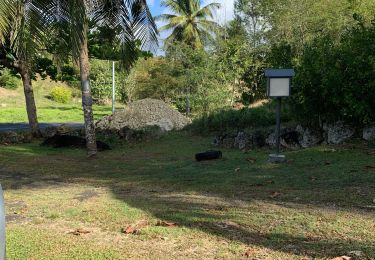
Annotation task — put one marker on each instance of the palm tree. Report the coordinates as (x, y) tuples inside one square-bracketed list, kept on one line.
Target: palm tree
[(20, 40), (131, 16), (189, 22)]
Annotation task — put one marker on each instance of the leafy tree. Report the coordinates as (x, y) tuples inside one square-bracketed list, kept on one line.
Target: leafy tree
[(335, 81), (154, 78), (190, 23), (240, 63), (252, 14)]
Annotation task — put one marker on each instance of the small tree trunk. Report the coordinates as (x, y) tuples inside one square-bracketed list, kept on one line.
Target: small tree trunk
[(188, 101), (86, 97), (30, 102)]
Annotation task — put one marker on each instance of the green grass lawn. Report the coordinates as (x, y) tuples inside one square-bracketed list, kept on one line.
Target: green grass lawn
[(13, 110), (320, 204)]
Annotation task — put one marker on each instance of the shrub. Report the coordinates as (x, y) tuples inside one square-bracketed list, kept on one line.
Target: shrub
[(335, 81), (230, 119), (8, 80), (61, 94)]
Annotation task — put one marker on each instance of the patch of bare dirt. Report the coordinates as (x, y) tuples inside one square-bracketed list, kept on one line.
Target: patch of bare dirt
[(7, 92), (86, 195)]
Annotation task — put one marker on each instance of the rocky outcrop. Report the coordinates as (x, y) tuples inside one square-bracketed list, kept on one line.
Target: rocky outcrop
[(288, 138), (309, 136), (11, 137), (338, 132), (369, 133), (242, 141), (61, 130)]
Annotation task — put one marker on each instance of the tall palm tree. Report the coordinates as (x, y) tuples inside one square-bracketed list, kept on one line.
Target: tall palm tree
[(189, 22), (132, 16)]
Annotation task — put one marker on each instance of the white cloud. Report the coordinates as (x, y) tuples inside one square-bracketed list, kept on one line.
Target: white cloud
[(225, 13)]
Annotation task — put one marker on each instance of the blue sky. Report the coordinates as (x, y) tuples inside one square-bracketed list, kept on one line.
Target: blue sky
[(222, 16)]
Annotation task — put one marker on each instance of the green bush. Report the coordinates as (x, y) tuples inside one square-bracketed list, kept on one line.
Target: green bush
[(335, 80), (61, 94), (8, 80), (246, 118)]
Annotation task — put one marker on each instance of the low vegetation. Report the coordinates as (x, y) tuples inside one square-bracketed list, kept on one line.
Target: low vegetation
[(62, 205), (8, 80), (61, 94)]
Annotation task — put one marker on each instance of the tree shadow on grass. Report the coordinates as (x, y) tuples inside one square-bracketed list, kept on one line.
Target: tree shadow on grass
[(215, 198), (219, 219)]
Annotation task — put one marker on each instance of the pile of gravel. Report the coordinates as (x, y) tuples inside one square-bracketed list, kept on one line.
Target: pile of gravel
[(144, 113)]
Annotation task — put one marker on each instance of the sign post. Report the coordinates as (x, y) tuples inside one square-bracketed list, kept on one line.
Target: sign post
[(279, 83), (113, 88), (2, 226)]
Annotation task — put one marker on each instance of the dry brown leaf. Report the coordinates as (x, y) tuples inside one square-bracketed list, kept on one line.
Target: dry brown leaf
[(251, 160), (250, 252), (79, 231), (343, 258), (166, 224), (129, 230)]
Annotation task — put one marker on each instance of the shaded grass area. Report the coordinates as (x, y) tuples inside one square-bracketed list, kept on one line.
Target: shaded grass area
[(319, 204)]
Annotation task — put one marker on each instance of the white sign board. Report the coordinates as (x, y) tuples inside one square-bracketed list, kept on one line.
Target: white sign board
[(279, 87)]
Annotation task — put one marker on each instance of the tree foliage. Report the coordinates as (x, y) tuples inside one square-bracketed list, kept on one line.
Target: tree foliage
[(189, 22), (337, 81)]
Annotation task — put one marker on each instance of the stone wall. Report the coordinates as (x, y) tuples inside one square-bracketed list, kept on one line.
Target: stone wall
[(295, 137)]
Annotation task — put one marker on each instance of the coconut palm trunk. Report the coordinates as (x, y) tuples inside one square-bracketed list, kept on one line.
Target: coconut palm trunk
[(30, 101), (23, 70), (86, 95)]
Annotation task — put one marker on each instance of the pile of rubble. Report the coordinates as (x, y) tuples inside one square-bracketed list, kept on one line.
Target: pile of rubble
[(142, 114)]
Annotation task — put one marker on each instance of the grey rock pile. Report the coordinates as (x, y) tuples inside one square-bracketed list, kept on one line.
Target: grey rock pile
[(142, 114), (295, 137), (12, 137)]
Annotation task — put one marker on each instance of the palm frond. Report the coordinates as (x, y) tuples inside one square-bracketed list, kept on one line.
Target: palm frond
[(207, 11), (177, 6), (165, 17), (189, 22), (6, 10), (134, 19)]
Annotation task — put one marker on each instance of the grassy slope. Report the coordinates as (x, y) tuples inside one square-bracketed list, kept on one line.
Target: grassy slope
[(12, 106), (320, 204)]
